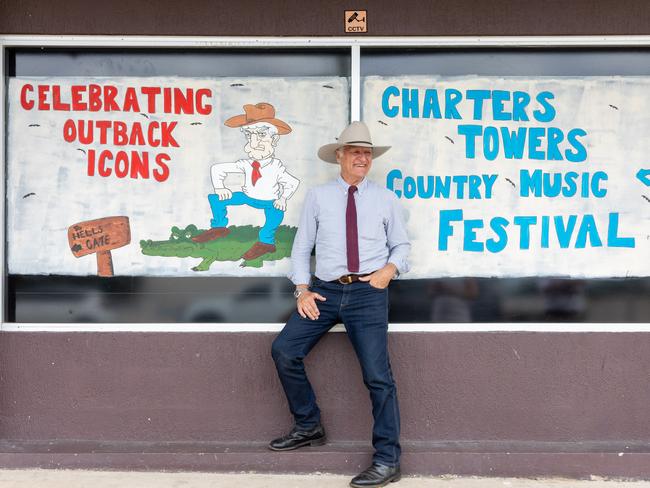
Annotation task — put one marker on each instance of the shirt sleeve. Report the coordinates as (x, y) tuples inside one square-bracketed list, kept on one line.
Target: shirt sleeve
[(219, 170), (288, 182), (304, 241), (397, 238)]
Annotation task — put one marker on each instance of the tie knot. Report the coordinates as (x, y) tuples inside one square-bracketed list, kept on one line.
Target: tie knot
[(352, 189), (255, 164)]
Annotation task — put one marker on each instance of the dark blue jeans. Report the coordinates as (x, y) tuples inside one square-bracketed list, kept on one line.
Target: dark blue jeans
[(364, 312)]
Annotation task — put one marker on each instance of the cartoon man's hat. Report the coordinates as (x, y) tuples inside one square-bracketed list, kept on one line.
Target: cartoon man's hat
[(260, 112), (355, 134)]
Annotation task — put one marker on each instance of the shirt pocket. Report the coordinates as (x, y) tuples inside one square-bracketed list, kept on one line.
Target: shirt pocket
[(371, 229)]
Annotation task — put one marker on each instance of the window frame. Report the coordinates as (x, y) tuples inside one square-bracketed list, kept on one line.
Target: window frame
[(354, 44)]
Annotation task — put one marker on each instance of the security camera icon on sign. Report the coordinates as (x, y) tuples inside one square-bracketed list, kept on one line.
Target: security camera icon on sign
[(356, 21)]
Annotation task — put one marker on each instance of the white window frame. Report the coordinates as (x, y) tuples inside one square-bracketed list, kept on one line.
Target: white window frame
[(355, 45)]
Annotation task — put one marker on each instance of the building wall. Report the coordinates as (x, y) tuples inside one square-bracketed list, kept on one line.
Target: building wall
[(472, 403), (295, 18)]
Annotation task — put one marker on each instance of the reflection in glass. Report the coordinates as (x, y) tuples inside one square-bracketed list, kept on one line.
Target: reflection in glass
[(52, 299)]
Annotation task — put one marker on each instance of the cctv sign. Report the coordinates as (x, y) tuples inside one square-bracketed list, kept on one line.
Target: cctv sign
[(356, 21)]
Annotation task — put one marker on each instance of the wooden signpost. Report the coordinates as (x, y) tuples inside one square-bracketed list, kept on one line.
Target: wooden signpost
[(100, 236)]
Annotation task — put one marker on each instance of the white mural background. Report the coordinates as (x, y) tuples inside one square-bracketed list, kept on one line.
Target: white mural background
[(49, 189)]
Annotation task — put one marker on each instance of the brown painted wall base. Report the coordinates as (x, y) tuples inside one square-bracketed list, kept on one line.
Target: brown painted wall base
[(473, 459), (506, 404)]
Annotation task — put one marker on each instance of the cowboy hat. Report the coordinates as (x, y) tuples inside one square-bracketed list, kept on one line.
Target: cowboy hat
[(260, 112), (355, 134)]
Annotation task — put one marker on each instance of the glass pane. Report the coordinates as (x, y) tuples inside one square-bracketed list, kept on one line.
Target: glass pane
[(179, 294), (524, 299)]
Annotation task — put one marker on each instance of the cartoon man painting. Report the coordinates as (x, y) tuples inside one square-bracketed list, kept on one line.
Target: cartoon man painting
[(267, 185)]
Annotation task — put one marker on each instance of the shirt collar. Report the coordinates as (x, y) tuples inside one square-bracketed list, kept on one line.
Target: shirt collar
[(263, 162), (360, 187)]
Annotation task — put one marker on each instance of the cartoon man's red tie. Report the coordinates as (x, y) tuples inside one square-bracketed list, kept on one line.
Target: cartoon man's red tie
[(351, 237), (257, 174)]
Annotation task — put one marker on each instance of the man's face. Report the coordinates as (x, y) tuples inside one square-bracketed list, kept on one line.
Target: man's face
[(261, 142), (355, 162)]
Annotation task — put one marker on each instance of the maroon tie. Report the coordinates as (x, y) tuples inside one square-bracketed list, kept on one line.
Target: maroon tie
[(257, 174), (351, 237)]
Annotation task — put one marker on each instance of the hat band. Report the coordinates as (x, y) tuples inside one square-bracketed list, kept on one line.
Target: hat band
[(356, 142)]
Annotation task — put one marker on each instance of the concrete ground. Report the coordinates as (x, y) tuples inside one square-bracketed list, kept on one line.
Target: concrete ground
[(36, 478)]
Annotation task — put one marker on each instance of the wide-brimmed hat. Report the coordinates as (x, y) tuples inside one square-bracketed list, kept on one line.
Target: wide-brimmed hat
[(260, 112), (355, 134)]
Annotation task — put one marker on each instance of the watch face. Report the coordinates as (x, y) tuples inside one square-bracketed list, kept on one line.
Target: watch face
[(297, 293)]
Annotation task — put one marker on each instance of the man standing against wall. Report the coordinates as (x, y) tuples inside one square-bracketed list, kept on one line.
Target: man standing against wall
[(361, 244)]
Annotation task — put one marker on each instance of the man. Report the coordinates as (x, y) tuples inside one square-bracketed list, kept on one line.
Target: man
[(267, 185), (361, 243)]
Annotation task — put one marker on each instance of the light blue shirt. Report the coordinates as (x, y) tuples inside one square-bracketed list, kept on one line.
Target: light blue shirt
[(380, 224)]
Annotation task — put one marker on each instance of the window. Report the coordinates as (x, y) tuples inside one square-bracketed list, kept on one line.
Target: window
[(467, 292), (161, 275), (60, 173)]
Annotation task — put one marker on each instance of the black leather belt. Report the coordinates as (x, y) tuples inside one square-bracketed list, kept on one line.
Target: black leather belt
[(348, 278)]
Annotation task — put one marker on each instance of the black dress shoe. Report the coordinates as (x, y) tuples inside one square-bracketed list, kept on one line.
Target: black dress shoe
[(376, 475), (299, 438)]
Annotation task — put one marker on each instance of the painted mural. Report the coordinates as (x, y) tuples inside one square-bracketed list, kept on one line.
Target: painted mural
[(516, 176), (183, 176), (163, 176)]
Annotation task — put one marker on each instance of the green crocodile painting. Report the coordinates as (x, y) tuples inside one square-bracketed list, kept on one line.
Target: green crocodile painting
[(229, 248)]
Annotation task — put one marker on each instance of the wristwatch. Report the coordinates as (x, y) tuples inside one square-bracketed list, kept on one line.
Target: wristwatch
[(299, 291)]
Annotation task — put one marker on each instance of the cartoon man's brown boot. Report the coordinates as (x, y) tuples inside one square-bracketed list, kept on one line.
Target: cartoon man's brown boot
[(211, 234), (258, 249)]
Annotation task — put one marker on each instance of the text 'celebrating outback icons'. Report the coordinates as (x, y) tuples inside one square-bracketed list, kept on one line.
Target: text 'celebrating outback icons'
[(356, 21)]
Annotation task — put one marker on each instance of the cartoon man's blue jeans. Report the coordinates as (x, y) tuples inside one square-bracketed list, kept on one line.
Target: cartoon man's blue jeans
[(273, 215), (364, 312)]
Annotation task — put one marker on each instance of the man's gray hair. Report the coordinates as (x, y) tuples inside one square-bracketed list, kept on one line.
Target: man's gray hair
[(339, 150)]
